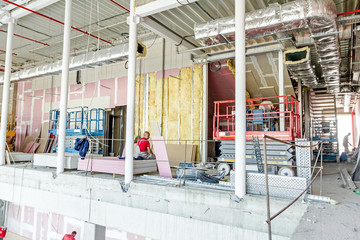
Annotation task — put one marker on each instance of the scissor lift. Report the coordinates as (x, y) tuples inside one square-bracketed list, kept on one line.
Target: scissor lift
[(80, 122), (263, 117)]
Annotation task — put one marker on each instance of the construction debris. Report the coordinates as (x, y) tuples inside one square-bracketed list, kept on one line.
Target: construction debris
[(346, 178)]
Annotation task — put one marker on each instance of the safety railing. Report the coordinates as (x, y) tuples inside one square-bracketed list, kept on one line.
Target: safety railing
[(277, 116), (320, 171)]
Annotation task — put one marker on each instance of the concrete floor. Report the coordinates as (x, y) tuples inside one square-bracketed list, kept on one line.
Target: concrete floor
[(13, 236), (332, 222)]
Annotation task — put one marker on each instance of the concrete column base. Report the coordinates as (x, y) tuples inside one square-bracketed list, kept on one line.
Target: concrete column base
[(94, 232)]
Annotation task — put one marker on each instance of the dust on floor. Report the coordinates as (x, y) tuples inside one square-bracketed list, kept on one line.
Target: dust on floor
[(332, 222)]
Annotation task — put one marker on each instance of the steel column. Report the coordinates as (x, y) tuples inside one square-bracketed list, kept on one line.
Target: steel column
[(240, 100), (64, 88), (6, 89), (205, 129), (281, 89), (300, 108), (130, 111)]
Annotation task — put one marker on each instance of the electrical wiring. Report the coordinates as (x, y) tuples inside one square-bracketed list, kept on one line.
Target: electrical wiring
[(153, 42), (182, 39), (216, 68)]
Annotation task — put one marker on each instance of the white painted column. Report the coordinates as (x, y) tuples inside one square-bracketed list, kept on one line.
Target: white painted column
[(6, 89), (93, 231), (281, 89), (300, 107), (240, 100), (64, 88), (205, 113), (129, 144)]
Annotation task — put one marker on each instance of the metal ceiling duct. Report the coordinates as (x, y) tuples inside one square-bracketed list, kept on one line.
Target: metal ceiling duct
[(319, 16), (78, 62), (298, 62)]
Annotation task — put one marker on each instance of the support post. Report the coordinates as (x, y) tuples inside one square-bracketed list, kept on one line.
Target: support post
[(64, 88), (300, 107), (240, 100), (205, 113), (307, 114), (93, 231), (281, 89), (130, 112), (6, 89)]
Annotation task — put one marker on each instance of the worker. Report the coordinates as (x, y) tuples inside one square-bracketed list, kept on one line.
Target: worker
[(70, 236), (346, 143), (143, 150)]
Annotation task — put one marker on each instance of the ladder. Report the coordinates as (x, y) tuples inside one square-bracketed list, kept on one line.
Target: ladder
[(257, 151)]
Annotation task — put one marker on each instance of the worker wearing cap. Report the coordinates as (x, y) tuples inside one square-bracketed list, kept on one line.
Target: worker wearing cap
[(143, 150), (70, 236), (346, 142)]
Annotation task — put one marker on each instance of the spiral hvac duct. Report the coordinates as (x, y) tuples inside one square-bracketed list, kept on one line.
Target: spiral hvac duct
[(78, 62), (319, 16)]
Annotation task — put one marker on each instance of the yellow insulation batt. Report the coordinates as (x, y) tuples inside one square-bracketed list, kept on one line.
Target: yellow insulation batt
[(152, 97), (185, 105), (181, 106)]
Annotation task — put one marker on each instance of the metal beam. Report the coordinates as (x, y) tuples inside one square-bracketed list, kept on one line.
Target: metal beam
[(162, 31), (33, 5), (160, 6)]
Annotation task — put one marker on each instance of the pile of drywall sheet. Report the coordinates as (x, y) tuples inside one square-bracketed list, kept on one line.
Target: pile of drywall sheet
[(42, 143), (114, 165), (181, 153), (50, 159)]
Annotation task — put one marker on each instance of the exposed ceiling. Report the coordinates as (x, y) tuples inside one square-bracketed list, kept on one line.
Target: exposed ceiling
[(107, 20)]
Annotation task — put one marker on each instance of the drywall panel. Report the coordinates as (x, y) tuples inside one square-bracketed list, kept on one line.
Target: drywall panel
[(107, 89), (121, 94)]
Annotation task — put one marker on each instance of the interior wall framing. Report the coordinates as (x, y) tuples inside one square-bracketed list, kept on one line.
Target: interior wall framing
[(174, 93)]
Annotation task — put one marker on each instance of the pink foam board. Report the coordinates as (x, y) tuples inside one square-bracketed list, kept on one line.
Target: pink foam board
[(15, 211), (19, 133), (38, 93), (26, 111), (48, 93), (75, 91), (121, 91), (46, 116), (37, 116), (29, 215), (57, 220), (41, 226), (20, 88), (105, 164), (89, 90), (113, 165), (107, 88), (57, 94), (162, 159), (27, 85), (31, 147)]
